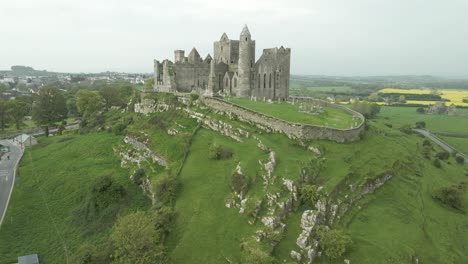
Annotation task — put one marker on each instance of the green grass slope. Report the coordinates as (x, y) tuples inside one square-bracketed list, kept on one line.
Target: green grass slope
[(331, 117), (54, 177)]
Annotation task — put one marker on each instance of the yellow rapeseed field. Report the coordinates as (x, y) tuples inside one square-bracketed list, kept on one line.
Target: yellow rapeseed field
[(455, 96)]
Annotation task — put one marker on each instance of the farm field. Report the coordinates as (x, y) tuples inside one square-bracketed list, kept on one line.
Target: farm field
[(459, 143), (399, 116), (455, 96), (331, 117)]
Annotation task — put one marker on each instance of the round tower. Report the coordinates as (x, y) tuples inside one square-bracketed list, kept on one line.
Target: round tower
[(246, 60)]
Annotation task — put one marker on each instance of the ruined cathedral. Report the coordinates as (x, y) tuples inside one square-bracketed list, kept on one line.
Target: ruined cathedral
[(232, 71)]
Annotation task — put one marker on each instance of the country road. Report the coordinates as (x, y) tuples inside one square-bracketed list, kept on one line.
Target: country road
[(439, 142), (7, 174)]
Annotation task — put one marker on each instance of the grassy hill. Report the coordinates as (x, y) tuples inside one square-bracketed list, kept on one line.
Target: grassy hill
[(398, 223), (54, 178)]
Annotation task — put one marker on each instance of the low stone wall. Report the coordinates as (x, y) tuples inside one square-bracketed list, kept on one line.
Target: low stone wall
[(293, 130)]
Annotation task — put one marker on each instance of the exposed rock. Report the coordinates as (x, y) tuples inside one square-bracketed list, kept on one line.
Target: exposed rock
[(314, 150), (172, 132), (347, 261), (308, 220), (295, 255), (310, 255), (270, 222), (146, 153)]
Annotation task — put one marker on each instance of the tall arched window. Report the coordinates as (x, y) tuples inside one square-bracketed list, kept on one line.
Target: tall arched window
[(235, 82), (269, 82), (226, 82), (259, 80), (264, 80)]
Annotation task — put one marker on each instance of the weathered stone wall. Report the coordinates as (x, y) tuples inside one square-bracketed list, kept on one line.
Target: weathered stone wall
[(293, 130)]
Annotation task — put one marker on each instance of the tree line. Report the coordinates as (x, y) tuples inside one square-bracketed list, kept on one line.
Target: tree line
[(50, 105)]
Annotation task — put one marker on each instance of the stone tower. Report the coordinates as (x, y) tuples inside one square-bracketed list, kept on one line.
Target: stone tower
[(246, 61), (211, 80)]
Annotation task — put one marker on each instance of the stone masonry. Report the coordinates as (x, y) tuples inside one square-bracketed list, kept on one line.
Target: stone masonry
[(233, 71)]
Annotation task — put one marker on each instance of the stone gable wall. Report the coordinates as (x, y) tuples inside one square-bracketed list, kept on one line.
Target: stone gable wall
[(292, 130)]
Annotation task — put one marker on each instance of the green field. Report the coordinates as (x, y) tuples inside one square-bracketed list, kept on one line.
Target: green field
[(459, 143), (331, 117), (52, 180), (440, 123)]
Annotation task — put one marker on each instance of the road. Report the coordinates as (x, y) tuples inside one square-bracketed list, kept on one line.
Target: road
[(439, 142), (7, 174)]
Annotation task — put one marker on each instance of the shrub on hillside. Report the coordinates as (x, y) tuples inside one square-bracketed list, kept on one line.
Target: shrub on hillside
[(101, 204), (138, 176), (253, 252), (333, 242), (119, 129), (420, 110), (136, 240), (239, 183), (406, 129), (165, 189), (437, 163), (443, 155), (218, 152), (451, 196), (460, 159), (162, 218), (309, 195)]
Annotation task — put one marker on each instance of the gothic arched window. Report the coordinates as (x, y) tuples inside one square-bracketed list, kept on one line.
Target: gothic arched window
[(269, 83), (235, 82), (264, 80), (259, 80)]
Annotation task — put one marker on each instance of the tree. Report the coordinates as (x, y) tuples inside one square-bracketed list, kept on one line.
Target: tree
[(369, 110), (88, 102), (111, 96), (402, 99), (18, 110), (136, 240), (421, 124), (49, 107), (149, 83), (4, 111), (420, 110)]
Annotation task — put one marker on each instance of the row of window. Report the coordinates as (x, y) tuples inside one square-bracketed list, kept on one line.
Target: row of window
[(265, 81)]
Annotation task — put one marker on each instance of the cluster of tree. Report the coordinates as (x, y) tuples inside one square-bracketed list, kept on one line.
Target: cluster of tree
[(369, 110), (452, 195), (14, 111)]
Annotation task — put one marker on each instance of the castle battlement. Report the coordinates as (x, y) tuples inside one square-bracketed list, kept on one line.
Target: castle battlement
[(233, 70)]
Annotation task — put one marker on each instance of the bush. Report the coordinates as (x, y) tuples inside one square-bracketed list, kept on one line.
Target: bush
[(309, 195), (136, 240), (333, 242), (420, 110), (101, 204), (427, 142), (218, 152), (460, 159), (165, 189), (420, 124), (388, 125), (239, 183), (138, 176), (437, 163), (162, 219), (254, 253), (451, 196), (406, 129), (443, 155), (119, 129)]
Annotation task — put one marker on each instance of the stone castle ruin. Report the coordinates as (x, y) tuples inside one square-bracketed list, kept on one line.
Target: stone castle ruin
[(232, 71)]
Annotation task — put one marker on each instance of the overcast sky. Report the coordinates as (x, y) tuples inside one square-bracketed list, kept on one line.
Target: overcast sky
[(329, 37)]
